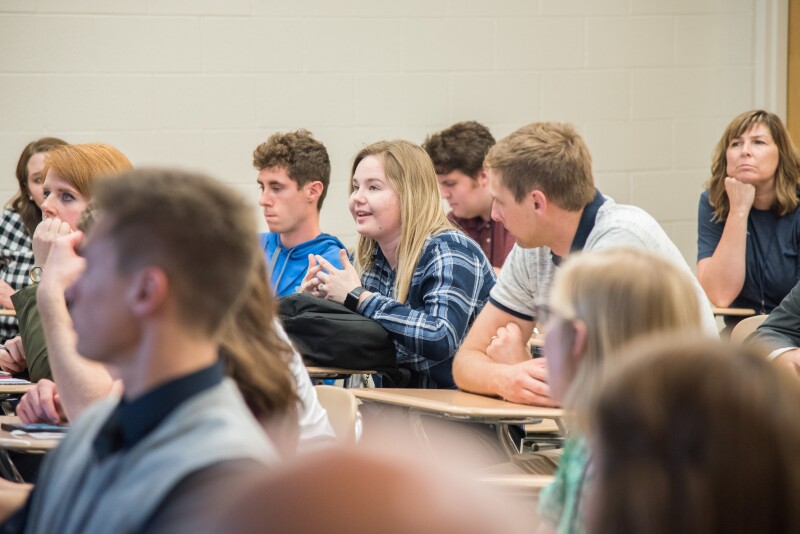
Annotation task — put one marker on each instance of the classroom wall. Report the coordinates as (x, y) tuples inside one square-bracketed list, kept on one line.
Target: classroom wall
[(199, 83)]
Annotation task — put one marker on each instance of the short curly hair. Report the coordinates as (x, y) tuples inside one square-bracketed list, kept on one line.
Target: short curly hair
[(305, 159), (460, 147)]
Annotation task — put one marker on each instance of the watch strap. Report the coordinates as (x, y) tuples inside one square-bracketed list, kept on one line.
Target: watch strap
[(351, 300)]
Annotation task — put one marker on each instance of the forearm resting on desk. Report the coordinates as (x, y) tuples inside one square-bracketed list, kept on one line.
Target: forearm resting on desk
[(522, 383)]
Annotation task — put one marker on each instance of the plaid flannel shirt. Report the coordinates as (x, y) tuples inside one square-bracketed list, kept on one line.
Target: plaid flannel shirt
[(17, 260), (450, 286)]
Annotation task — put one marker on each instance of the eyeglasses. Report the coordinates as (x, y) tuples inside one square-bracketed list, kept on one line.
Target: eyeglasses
[(543, 313)]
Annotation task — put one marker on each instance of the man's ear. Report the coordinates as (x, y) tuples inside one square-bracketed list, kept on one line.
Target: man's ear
[(148, 291), (482, 178), (539, 200), (313, 191)]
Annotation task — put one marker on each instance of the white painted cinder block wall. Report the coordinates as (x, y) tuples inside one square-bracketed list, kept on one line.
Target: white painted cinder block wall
[(199, 83)]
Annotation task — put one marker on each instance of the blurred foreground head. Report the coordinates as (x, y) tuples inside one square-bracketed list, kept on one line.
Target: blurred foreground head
[(696, 436), (357, 491)]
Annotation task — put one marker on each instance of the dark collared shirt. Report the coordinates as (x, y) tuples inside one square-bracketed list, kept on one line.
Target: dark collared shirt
[(585, 225), (131, 421), (493, 238)]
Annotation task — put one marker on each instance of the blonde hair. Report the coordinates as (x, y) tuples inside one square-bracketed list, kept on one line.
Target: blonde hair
[(81, 165), (787, 175), (620, 294), (549, 156), (410, 173)]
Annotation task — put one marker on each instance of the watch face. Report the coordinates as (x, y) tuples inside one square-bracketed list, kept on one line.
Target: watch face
[(36, 274)]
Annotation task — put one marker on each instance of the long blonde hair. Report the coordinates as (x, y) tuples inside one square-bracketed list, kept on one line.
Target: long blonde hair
[(410, 173), (620, 294)]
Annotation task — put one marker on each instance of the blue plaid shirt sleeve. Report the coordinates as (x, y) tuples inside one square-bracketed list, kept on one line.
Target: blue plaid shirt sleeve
[(17, 260), (449, 287)]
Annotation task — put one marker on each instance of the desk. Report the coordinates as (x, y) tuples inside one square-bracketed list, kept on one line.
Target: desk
[(9, 393), (14, 389), (737, 312), (518, 482), (24, 444), (465, 407), (333, 373), (460, 405), (4, 311)]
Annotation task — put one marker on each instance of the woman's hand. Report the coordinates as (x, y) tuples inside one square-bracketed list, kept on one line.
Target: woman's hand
[(334, 284), (12, 357), (45, 235), (740, 195)]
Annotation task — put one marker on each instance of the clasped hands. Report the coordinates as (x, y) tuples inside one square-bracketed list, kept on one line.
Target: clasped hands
[(522, 379), (324, 280)]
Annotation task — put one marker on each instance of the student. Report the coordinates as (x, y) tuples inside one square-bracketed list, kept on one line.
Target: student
[(749, 216), (695, 437), (779, 335), (457, 155), (257, 355), (424, 281), (293, 174), (601, 301), (17, 224), (134, 304), (541, 179), (70, 171)]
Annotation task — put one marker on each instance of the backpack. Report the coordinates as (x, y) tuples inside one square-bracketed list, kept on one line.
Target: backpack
[(327, 334)]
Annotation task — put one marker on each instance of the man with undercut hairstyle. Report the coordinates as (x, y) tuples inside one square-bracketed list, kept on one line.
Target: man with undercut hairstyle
[(147, 290), (293, 174), (457, 153)]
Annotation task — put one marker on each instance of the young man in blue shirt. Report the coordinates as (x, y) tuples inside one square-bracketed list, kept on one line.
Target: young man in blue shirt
[(293, 173)]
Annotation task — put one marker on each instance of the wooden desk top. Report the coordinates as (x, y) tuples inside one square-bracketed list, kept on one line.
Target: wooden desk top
[(738, 312), (4, 311), (330, 372), (460, 405), (13, 389), (518, 481), (23, 443)]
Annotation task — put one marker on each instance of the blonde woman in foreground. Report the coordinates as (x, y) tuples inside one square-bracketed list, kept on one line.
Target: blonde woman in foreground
[(601, 301)]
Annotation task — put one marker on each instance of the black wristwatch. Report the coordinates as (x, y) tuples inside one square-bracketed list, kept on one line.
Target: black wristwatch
[(351, 300)]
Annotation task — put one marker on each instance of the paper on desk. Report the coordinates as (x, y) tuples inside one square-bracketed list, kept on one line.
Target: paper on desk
[(13, 381), (38, 435)]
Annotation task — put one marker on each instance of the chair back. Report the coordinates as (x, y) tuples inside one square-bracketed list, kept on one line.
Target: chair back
[(745, 327), (343, 414)]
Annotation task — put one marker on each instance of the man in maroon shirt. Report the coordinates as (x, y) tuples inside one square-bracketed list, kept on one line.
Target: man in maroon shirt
[(457, 155)]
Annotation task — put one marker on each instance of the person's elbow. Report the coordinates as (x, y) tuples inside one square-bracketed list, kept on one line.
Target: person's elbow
[(462, 365), (720, 297)]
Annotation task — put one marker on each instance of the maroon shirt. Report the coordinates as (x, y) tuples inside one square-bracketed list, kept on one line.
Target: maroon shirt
[(492, 236)]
